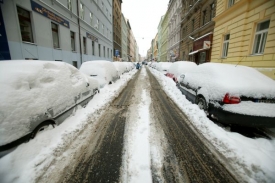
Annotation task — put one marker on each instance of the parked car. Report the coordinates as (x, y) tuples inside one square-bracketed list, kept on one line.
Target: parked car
[(102, 70), (178, 68), (37, 94), (233, 94), (163, 66), (121, 67)]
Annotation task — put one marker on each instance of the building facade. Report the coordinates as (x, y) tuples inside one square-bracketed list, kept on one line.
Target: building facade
[(117, 28), (197, 28), (155, 50), (164, 39), (244, 34), (64, 30), (124, 39), (174, 19), (159, 38)]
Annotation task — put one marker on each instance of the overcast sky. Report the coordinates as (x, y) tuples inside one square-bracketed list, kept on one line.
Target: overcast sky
[(144, 16)]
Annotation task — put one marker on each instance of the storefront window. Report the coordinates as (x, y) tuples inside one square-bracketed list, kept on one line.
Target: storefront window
[(25, 25)]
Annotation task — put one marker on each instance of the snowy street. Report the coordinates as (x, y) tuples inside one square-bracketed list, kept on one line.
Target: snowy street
[(140, 129)]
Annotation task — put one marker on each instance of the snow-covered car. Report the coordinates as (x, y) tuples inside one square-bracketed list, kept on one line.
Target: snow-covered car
[(102, 70), (178, 68), (121, 67), (233, 94), (163, 67), (37, 94)]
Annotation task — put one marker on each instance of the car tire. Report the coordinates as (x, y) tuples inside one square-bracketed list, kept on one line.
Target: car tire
[(41, 128), (201, 102)]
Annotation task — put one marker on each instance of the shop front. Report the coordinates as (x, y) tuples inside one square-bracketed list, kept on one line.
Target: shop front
[(201, 52)]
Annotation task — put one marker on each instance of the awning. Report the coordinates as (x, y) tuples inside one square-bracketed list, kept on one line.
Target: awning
[(192, 53)]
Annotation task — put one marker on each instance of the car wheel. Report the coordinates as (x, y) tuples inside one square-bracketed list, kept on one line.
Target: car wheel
[(202, 103), (42, 127)]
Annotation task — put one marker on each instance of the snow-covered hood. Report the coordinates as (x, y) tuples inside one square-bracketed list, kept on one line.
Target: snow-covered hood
[(217, 79)]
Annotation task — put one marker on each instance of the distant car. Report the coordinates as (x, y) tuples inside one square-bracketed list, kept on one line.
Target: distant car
[(163, 66), (233, 94), (178, 68), (102, 70), (37, 94)]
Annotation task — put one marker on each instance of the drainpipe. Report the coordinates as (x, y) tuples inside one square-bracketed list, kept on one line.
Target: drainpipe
[(78, 22)]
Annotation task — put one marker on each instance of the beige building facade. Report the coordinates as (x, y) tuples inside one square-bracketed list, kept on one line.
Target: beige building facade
[(244, 34), (164, 38)]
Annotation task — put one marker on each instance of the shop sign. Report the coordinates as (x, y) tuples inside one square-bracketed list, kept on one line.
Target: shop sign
[(92, 37), (48, 14), (202, 43), (117, 53)]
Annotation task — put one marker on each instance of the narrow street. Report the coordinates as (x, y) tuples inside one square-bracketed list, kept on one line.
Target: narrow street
[(108, 158)]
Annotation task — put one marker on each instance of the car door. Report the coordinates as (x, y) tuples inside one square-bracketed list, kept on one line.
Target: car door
[(188, 91)]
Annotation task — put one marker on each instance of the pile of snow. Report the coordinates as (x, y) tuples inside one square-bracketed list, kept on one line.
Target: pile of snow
[(30, 88)]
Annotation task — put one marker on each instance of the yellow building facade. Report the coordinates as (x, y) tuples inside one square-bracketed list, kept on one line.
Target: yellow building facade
[(244, 34)]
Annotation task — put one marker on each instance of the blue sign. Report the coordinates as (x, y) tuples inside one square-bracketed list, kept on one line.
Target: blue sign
[(50, 15), (117, 53)]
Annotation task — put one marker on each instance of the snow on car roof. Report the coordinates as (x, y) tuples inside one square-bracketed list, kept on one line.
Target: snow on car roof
[(217, 79), (181, 67), (121, 67), (29, 88), (107, 65)]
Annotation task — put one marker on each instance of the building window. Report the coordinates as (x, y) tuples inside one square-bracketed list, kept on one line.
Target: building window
[(212, 11), (97, 24), (91, 18), (55, 35), (93, 47), (75, 64), (103, 29), (102, 6), (84, 45), (72, 41), (69, 4), (82, 11), (108, 55), (230, 3), (25, 25), (260, 37), (99, 50), (225, 45), (203, 17), (104, 51)]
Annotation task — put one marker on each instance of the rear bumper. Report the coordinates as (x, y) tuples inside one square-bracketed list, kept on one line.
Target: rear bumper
[(231, 118)]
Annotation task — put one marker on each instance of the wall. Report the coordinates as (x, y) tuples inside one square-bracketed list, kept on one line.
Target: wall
[(240, 21)]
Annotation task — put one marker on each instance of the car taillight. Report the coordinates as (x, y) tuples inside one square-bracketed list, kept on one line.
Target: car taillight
[(231, 99)]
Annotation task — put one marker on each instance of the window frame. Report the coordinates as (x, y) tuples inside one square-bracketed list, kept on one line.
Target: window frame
[(28, 19), (263, 38), (225, 46), (99, 50), (82, 11), (230, 3), (72, 36), (57, 33), (84, 45)]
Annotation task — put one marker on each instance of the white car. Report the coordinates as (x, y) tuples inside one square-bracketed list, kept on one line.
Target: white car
[(36, 94), (178, 68), (102, 70), (233, 94)]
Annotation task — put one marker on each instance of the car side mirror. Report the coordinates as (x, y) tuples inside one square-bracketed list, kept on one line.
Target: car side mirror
[(87, 84), (182, 76)]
